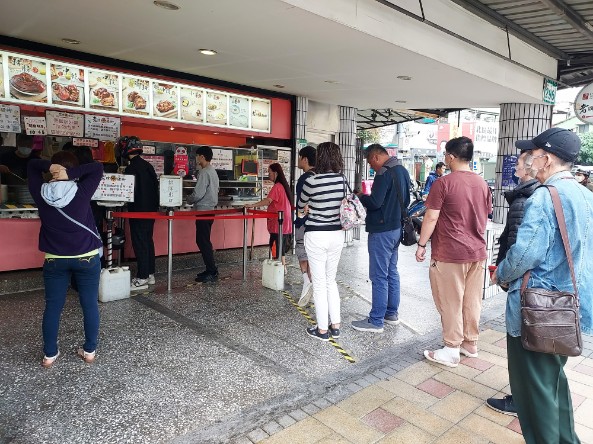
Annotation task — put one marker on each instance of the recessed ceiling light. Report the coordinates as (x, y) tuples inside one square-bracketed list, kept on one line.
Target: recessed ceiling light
[(71, 41), (166, 5), (404, 77), (208, 52), (400, 101), (215, 133), (333, 82), (172, 128), (280, 86)]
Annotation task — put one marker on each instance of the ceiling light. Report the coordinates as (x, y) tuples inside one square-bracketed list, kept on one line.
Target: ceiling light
[(333, 82), (71, 41), (279, 86), (166, 5), (404, 77), (215, 133), (400, 101), (208, 52), (172, 128)]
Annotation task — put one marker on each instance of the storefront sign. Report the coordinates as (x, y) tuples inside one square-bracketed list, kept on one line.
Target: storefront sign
[(549, 93), (115, 188), (64, 124), (171, 191), (92, 143), (10, 119), (222, 159), (102, 127), (583, 104), (508, 170), (35, 126)]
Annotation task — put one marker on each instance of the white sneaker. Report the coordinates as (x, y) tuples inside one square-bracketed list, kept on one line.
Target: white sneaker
[(151, 279), (306, 294), (138, 284)]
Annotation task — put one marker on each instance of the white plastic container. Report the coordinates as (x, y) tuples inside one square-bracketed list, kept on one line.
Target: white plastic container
[(114, 284), (273, 274)]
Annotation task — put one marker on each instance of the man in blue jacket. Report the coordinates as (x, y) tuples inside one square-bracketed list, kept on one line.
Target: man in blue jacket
[(391, 188), (432, 176)]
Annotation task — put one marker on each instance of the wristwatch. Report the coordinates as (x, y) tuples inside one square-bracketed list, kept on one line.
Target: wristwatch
[(421, 246)]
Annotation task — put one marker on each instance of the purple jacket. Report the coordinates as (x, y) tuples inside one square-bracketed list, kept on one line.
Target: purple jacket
[(58, 235)]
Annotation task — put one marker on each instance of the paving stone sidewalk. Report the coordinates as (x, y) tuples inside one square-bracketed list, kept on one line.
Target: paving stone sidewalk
[(423, 402)]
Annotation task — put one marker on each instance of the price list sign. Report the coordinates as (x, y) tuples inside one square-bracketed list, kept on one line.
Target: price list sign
[(10, 119), (115, 188), (35, 126), (102, 127), (64, 124)]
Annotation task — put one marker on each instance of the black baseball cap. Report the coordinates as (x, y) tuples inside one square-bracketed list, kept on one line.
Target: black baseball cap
[(558, 141)]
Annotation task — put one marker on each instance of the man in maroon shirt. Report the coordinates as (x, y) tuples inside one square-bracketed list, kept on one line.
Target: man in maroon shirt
[(457, 211)]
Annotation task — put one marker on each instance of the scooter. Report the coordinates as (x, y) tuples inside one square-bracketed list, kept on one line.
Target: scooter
[(416, 211)]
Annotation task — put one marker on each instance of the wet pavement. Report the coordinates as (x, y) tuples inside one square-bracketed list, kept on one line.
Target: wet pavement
[(203, 363)]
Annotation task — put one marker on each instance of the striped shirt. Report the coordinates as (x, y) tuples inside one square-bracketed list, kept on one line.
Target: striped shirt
[(324, 194)]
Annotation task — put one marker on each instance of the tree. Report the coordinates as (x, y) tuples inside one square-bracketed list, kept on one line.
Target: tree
[(369, 136), (586, 154)]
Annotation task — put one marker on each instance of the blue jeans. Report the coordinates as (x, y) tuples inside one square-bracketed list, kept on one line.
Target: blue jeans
[(56, 276), (383, 274)]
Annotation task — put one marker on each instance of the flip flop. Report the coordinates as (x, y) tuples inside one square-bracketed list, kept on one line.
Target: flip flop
[(464, 352), (439, 360), (48, 362)]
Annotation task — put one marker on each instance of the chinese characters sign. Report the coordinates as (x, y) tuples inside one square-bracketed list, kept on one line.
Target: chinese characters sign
[(35, 126), (10, 119), (64, 124), (583, 104), (101, 127), (115, 188)]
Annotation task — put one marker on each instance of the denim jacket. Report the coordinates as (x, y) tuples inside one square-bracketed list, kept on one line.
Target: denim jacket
[(539, 248)]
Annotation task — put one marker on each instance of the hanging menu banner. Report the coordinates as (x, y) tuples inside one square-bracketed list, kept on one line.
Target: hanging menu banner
[(64, 124), (77, 87), (101, 127), (35, 126), (10, 119)]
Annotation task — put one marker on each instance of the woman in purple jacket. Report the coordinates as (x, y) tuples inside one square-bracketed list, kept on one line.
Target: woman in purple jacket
[(71, 244)]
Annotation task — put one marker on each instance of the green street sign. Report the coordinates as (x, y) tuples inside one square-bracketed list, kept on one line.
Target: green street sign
[(549, 93)]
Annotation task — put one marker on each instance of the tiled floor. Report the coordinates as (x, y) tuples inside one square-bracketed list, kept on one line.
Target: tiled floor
[(429, 403)]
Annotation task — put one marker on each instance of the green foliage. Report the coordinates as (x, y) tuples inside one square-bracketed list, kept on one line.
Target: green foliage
[(586, 154), (369, 136)]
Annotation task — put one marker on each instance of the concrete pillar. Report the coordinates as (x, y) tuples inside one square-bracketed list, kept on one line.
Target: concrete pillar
[(517, 121)]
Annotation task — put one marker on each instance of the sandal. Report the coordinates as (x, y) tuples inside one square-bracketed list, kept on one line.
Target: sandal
[(87, 357), (464, 352), (48, 362), (437, 356)]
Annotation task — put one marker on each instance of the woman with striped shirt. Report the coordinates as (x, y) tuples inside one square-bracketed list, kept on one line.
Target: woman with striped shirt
[(321, 199)]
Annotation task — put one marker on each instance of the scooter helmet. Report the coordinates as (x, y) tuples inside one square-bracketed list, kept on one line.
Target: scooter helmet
[(585, 173), (127, 145)]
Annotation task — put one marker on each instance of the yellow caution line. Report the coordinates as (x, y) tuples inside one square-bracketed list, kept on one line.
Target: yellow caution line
[(308, 317)]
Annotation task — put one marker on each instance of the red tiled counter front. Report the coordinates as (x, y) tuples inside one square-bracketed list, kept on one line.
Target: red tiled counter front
[(19, 244)]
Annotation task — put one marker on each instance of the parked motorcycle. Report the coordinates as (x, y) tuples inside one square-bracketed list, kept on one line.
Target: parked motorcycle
[(416, 211)]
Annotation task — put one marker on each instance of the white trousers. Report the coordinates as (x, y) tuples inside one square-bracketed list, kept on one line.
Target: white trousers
[(323, 251)]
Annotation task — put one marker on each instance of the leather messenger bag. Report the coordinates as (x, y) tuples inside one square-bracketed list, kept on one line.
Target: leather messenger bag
[(550, 319)]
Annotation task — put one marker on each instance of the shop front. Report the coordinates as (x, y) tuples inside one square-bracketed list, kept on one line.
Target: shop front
[(60, 101)]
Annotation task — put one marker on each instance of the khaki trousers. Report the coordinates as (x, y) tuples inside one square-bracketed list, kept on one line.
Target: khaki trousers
[(457, 293)]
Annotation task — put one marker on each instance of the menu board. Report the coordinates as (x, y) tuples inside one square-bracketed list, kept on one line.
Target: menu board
[(27, 79), (260, 115), (103, 90), (10, 119), (239, 111), (64, 124), (1, 76), (222, 159), (135, 95), (101, 127), (216, 108), (35, 126), (67, 85), (192, 104), (115, 188), (165, 100)]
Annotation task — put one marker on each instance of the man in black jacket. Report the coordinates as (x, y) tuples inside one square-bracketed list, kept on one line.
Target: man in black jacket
[(146, 198), (516, 199)]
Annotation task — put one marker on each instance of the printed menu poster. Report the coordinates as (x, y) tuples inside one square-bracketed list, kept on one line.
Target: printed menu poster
[(239, 111), (64, 124), (216, 108), (192, 104), (135, 95), (165, 100), (10, 119), (260, 115), (67, 85), (101, 127), (103, 90), (27, 79), (35, 126), (1, 76)]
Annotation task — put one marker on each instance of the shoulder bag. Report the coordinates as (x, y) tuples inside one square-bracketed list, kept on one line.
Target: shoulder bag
[(352, 212), (550, 319), (408, 231), (94, 233)]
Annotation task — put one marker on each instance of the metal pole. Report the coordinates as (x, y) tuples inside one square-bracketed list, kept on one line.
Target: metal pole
[(280, 235), (245, 244), (109, 261), (170, 251)]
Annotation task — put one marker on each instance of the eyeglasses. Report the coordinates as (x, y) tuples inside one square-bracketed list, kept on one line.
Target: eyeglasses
[(452, 155), (529, 160)]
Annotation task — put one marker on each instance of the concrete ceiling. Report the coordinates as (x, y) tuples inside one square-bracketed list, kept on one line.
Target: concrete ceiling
[(260, 43)]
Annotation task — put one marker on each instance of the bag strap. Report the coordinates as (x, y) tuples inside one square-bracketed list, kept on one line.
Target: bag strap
[(565, 241), (398, 192), (346, 184), (80, 225)]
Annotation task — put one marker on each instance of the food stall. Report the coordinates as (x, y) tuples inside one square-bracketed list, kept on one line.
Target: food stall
[(63, 101)]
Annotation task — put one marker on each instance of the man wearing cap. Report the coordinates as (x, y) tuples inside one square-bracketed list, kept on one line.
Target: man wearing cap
[(538, 383)]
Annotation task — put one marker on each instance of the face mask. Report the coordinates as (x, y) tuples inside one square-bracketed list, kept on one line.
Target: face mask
[(25, 151)]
